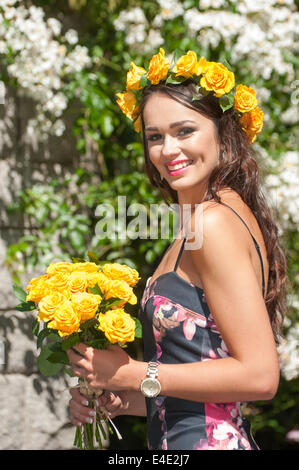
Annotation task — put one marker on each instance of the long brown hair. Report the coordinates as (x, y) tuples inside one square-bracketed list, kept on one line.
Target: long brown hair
[(237, 169)]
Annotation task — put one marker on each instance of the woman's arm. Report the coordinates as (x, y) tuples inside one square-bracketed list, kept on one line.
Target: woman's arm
[(235, 300), (251, 372)]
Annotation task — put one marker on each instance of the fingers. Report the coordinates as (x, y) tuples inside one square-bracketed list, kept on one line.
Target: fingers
[(112, 403), (80, 366), (80, 412), (75, 358)]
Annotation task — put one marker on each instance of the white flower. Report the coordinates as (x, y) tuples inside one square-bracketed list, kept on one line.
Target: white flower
[(291, 115), (170, 9), (212, 3), (40, 63), (55, 26), (135, 15), (71, 36), (58, 128), (283, 189), (56, 104), (288, 353)]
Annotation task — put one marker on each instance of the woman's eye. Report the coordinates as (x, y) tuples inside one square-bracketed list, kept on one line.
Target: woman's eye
[(154, 137), (186, 130), (182, 132)]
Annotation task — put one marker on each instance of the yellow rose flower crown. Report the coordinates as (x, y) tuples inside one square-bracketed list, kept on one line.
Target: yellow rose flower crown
[(208, 76)]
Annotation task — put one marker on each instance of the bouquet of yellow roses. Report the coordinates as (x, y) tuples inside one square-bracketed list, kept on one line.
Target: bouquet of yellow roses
[(81, 301)]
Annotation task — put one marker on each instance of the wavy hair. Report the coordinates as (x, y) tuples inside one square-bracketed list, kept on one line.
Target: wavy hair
[(237, 169)]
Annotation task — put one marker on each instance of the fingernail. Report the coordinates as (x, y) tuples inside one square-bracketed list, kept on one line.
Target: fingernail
[(92, 413), (85, 402), (89, 420)]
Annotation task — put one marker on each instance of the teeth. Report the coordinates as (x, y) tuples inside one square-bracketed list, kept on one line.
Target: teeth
[(179, 166)]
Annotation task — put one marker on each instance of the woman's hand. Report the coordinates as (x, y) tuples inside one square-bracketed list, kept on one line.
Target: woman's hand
[(80, 412), (108, 369)]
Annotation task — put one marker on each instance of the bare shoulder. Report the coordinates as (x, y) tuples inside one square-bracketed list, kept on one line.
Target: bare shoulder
[(219, 226)]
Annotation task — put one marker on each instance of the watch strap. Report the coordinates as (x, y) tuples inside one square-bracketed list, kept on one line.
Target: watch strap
[(152, 370)]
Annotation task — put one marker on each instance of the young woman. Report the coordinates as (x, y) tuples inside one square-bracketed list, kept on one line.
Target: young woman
[(210, 315)]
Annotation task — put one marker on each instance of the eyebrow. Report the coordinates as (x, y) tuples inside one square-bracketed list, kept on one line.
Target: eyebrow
[(174, 124)]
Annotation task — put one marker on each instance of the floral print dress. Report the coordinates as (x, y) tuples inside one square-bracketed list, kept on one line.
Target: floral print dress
[(178, 328)]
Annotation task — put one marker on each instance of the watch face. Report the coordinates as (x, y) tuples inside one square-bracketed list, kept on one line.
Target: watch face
[(150, 387)]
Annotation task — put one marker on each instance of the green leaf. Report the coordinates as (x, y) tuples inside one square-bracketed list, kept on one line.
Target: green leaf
[(106, 124), (203, 91), (96, 290), (26, 306), (88, 324), (19, 293), (226, 64), (93, 257), (77, 260), (177, 53), (143, 81), (76, 239), (138, 328), (175, 80), (71, 341), (44, 333), (35, 327), (59, 357), (226, 102), (99, 343), (106, 304), (46, 367)]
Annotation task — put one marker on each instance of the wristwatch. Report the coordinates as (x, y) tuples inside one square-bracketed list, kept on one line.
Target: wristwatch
[(150, 386)]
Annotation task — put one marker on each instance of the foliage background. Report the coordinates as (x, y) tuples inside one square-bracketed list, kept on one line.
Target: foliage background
[(60, 215)]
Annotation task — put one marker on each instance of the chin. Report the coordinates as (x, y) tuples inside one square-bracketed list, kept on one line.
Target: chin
[(180, 185)]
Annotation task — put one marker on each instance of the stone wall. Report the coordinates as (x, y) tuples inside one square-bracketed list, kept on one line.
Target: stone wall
[(34, 409)]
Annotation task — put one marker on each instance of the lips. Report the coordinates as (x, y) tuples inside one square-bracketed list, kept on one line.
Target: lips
[(178, 167), (170, 164)]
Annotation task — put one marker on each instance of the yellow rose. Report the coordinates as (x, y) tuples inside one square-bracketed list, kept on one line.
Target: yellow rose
[(77, 282), (98, 278), (252, 123), (158, 67), (245, 99), (121, 272), (86, 267), (59, 282), (66, 320), (48, 305), (63, 267), (187, 65), (37, 288), (127, 103), (117, 325), (36, 280), (217, 78), (85, 304), (121, 290), (201, 66), (133, 77)]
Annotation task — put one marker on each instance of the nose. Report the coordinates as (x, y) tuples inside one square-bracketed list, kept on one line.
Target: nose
[(170, 147)]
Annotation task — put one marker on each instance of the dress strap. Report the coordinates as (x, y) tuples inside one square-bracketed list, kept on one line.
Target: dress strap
[(255, 243), (180, 254)]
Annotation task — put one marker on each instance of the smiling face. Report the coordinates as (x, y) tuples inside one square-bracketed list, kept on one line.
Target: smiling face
[(182, 145)]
